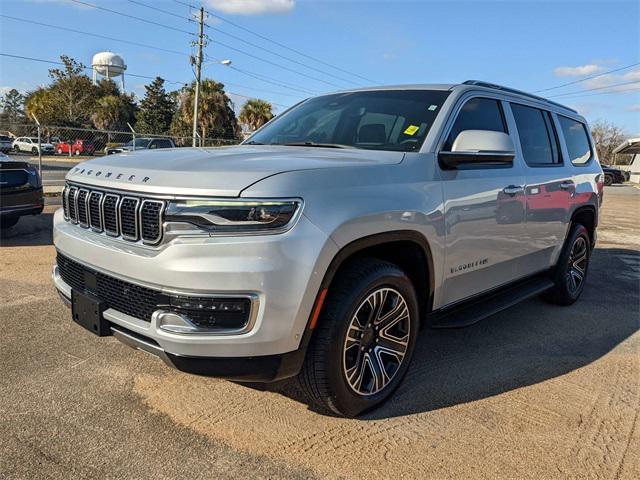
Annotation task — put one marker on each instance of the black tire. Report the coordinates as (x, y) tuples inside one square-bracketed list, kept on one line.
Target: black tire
[(8, 222), (573, 263), (324, 374), (34, 151), (608, 180)]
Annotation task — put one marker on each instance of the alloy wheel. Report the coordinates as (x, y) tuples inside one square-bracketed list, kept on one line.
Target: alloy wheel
[(577, 265), (376, 342)]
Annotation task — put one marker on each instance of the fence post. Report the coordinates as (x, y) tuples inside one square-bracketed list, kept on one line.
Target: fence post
[(39, 146), (134, 135), (70, 148)]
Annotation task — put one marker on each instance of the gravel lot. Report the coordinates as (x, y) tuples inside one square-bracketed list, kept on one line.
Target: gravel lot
[(536, 391)]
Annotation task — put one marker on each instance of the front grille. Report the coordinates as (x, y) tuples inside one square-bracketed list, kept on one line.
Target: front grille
[(133, 218), (65, 202), (71, 200), (81, 205), (110, 214), (129, 218), (95, 215), (150, 220), (139, 302)]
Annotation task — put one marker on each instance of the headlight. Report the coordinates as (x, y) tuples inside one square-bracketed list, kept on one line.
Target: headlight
[(235, 216)]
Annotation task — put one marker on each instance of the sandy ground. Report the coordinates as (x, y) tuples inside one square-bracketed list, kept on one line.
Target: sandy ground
[(536, 391)]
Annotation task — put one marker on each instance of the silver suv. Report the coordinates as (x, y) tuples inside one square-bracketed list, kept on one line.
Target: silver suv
[(322, 245)]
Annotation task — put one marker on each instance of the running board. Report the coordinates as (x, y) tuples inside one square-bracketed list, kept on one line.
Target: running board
[(475, 310)]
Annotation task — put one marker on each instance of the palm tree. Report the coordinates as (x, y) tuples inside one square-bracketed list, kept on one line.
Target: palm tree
[(110, 113), (256, 113)]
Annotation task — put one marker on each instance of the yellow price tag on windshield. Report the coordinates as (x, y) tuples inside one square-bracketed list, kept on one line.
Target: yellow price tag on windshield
[(411, 130)]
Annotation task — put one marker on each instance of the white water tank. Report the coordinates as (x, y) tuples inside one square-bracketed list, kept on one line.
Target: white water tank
[(109, 65)]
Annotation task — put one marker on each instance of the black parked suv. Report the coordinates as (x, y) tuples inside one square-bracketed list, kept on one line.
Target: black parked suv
[(20, 191), (614, 175)]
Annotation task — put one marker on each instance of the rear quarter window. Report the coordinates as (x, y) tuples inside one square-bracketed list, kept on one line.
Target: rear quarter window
[(577, 140)]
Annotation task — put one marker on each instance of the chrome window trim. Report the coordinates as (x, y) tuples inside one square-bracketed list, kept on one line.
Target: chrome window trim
[(86, 206), (101, 224), (135, 219), (117, 212), (160, 220)]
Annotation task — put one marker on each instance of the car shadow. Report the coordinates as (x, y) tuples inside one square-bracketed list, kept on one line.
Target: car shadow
[(31, 230), (524, 345)]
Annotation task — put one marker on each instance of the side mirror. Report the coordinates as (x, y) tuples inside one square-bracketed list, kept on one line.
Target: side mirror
[(479, 147)]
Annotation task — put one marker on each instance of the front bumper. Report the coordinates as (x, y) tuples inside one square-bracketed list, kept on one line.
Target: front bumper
[(282, 271), (20, 203)]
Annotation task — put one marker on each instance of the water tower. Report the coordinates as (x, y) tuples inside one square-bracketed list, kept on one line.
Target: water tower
[(109, 65)]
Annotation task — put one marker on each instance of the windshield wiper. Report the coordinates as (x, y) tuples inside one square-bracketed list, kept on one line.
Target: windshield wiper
[(314, 144), (253, 142)]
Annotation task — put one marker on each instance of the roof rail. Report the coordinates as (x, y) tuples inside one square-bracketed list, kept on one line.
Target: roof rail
[(480, 83)]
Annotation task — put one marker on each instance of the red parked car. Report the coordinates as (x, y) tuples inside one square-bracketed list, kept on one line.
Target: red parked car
[(80, 147)]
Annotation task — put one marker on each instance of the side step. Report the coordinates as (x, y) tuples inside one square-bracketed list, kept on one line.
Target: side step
[(473, 311)]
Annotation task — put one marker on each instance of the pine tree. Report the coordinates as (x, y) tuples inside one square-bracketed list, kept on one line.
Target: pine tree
[(156, 109)]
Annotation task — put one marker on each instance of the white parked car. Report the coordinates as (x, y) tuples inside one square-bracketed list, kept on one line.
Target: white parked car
[(30, 144)]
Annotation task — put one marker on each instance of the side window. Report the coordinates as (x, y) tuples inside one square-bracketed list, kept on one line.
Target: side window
[(575, 136), (163, 143), (153, 144), (537, 135), (477, 114)]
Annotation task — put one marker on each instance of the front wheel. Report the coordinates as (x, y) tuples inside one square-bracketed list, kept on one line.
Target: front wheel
[(34, 151), (364, 341), (608, 180), (571, 270)]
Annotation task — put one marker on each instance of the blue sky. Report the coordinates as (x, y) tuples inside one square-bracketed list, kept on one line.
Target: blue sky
[(523, 44)]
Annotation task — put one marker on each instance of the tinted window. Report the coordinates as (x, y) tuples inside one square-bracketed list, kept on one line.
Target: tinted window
[(163, 143), (477, 114), (575, 136), (537, 136), (380, 120)]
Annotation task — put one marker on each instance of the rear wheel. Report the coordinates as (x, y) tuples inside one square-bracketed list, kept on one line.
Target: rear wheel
[(571, 270), (34, 150), (365, 337), (608, 180)]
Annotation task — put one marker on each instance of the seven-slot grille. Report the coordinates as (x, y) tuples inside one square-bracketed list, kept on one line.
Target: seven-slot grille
[(132, 218)]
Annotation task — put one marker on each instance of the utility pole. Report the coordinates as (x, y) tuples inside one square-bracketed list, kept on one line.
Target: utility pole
[(199, 44)]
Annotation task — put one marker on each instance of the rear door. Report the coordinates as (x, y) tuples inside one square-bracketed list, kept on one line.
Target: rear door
[(484, 210), (549, 190)]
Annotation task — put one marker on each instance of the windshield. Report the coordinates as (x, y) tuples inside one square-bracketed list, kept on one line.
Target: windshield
[(379, 120), (140, 143)]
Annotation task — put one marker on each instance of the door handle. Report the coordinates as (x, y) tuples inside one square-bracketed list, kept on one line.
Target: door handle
[(566, 185), (513, 189)]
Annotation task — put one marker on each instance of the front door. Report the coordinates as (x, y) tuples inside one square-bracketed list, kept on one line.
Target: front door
[(484, 209)]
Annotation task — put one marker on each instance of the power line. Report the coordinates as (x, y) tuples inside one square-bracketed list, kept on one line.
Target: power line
[(150, 22), (623, 90), (270, 80), (254, 45), (281, 45), (55, 62), (156, 9), (594, 89), (97, 35), (144, 45), (283, 67), (587, 78)]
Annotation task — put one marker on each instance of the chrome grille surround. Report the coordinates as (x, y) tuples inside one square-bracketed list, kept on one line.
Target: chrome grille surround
[(130, 217), (72, 194), (82, 207), (95, 211)]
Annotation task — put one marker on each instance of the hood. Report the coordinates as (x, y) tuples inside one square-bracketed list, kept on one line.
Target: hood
[(221, 171)]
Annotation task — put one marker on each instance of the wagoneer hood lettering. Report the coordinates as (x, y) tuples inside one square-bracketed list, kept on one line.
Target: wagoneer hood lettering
[(221, 172)]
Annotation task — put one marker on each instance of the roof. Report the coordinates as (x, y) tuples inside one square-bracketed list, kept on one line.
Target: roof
[(476, 84), (628, 147)]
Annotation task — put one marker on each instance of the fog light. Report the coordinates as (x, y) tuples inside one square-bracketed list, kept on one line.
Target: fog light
[(213, 313)]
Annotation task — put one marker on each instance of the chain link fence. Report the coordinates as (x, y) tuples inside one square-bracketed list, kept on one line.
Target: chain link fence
[(49, 140)]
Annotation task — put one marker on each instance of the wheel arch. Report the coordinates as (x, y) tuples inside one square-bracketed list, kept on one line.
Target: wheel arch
[(586, 215), (399, 247)]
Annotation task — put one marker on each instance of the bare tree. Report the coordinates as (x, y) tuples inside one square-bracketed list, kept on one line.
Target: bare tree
[(607, 137)]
